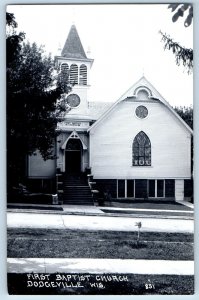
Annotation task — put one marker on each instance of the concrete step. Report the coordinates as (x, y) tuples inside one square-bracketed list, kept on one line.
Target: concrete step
[(76, 183), (78, 199), (76, 191), (75, 188), (78, 202), (77, 196), (69, 202)]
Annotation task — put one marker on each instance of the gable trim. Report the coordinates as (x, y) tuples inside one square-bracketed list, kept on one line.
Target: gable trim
[(73, 135), (143, 83)]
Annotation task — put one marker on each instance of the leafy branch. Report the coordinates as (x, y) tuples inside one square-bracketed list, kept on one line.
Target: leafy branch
[(179, 10), (182, 55)]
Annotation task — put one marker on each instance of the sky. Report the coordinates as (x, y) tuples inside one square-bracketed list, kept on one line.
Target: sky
[(123, 40)]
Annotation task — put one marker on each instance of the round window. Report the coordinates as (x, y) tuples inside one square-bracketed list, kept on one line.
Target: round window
[(141, 112), (73, 100)]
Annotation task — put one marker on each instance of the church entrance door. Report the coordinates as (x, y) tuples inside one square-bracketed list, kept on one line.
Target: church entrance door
[(73, 155)]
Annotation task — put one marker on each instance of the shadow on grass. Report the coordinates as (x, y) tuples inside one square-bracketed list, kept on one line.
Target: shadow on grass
[(133, 244)]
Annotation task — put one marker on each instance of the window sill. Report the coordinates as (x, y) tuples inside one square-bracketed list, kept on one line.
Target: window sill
[(142, 166)]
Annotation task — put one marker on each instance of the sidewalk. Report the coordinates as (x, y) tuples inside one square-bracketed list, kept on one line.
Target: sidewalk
[(184, 210), (94, 218), (99, 266), (97, 222)]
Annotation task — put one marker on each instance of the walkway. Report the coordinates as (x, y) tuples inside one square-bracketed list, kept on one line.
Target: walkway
[(93, 218), (99, 266), (86, 222)]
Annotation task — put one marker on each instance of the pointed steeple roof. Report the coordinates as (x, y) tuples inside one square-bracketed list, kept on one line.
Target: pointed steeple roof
[(73, 47)]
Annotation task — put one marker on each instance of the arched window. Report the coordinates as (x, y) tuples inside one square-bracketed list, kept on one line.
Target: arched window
[(141, 150), (64, 68), (63, 76), (73, 144), (143, 92), (74, 74), (83, 75)]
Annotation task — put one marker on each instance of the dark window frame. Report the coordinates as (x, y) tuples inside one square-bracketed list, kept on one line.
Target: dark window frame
[(156, 188), (141, 150)]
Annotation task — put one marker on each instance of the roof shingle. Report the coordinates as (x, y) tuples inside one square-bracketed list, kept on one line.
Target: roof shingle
[(73, 47)]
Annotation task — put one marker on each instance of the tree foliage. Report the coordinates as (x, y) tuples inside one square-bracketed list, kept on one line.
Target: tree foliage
[(182, 54), (186, 113), (13, 40), (179, 11), (35, 99)]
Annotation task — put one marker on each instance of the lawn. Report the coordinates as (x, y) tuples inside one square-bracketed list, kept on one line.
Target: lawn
[(99, 244), (149, 213), (102, 244), (168, 205), (134, 285)]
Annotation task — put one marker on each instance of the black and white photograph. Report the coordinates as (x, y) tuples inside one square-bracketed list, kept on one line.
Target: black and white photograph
[(100, 154)]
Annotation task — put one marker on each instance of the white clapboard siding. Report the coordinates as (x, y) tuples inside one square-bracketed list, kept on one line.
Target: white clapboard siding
[(111, 143), (179, 190)]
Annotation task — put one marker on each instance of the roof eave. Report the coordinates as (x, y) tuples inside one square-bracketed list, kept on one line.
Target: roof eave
[(124, 96), (73, 59)]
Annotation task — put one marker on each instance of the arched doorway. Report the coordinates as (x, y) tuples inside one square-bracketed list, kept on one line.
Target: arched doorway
[(73, 156)]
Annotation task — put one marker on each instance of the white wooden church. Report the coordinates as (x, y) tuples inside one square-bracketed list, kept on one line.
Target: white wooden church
[(135, 148)]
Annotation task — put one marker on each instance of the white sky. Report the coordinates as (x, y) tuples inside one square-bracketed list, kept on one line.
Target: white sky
[(124, 42)]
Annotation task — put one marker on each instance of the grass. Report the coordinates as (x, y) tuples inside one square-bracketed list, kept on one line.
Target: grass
[(149, 213), (168, 205), (99, 244), (102, 244), (136, 285)]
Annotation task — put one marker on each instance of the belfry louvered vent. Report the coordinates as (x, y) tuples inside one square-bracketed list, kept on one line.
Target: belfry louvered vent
[(83, 75), (74, 74), (64, 68)]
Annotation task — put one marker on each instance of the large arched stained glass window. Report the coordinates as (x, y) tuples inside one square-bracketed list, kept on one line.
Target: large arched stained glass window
[(141, 150)]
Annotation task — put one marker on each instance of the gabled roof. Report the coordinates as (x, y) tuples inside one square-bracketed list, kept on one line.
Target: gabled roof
[(132, 93), (73, 47), (73, 135)]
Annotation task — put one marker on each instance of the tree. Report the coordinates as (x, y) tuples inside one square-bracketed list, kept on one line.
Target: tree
[(179, 10), (35, 99), (182, 54), (186, 113)]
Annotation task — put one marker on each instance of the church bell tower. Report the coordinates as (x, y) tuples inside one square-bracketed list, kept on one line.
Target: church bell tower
[(73, 59), (73, 140)]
